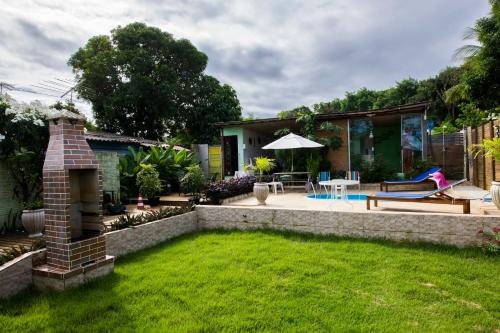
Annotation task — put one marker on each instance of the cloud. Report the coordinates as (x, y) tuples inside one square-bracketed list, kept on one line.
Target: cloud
[(276, 54)]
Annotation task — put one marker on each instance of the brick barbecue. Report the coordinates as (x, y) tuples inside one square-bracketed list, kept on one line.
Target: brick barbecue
[(72, 183)]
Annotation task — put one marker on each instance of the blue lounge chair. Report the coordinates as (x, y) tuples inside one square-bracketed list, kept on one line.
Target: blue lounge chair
[(436, 196), (423, 177)]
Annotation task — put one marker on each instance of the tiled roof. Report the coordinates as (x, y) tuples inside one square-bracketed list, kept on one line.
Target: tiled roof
[(110, 137)]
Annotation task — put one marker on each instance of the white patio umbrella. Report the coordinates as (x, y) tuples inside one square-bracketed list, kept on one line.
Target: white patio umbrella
[(292, 141)]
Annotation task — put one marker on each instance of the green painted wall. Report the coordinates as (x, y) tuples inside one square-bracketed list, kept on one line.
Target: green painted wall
[(388, 143), (110, 174), (7, 200), (239, 133)]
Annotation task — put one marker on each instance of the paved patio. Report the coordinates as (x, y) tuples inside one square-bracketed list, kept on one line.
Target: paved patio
[(298, 200)]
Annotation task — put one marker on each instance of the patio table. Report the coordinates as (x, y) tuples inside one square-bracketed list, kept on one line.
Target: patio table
[(288, 178), (338, 186)]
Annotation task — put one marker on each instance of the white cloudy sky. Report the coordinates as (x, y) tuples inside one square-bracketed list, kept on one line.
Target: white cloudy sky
[(276, 54)]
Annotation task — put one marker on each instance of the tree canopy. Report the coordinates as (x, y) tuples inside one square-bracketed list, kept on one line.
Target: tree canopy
[(142, 81)]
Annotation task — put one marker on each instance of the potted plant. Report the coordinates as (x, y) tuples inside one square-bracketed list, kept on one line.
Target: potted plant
[(260, 189), (491, 148), (193, 182), (149, 183), (33, 218)]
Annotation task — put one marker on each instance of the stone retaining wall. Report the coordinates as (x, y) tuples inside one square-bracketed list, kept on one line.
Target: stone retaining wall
[(129, 240), (16, 275), (457, 230)]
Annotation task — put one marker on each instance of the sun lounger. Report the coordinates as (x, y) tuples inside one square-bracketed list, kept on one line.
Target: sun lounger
[(436, 196), (423, 177)]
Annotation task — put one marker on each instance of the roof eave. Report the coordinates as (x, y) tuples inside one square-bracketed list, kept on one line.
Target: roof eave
[(407, 108)]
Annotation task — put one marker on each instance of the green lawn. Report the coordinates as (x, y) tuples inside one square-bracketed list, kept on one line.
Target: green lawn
[(264, 281)]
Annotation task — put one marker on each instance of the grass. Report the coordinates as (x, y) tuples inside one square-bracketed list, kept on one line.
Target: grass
[(265, 281)]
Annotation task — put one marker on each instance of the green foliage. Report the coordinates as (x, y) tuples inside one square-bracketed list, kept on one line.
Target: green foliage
[(259, 281), (193, 181), (373, 171), (282, 132), (11, 222), (33, 205), (489, 148), (264, 164), (490, 241), (23, 148), (313, 165), (418, 167), (446, 127), (127, 220), (143, 82), (148, 181), (169, 163), (471, 115)]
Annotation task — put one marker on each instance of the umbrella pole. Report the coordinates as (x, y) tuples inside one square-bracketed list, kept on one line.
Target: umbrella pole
[(292, 160)]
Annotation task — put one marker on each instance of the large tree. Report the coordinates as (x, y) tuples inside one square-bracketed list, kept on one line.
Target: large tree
[(143, 82)]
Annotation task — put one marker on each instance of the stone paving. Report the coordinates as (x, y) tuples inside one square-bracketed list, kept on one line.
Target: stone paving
[(297, 200)]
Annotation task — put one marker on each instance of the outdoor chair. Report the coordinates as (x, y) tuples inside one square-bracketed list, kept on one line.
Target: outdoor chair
[(274, 184), (436, 196), (423, 177), (323, 176), (354, 175)]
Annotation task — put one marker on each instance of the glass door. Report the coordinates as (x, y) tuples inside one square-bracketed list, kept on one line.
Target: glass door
[(411, 140)]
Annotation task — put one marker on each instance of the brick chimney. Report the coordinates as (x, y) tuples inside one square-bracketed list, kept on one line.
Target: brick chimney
[(72, 183)]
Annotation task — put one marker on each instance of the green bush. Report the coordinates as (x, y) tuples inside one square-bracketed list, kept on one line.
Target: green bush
[(127, 221), (170, 164), (32, 205), (148, 181), (373, 171), (417, 167), (193, 181)]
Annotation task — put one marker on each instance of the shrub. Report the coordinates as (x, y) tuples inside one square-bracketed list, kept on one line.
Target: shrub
[(170, 164), (193, 181), (264, 164), (127, 221), (217, 191), (491, 241), (24, 137), (419, 166), (148, 181), (373, 171), (33, 205)]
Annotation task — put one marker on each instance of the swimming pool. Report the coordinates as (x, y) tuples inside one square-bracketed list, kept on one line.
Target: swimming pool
[(330, 197)]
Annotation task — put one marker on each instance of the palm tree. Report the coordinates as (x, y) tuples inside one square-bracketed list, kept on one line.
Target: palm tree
[(470, 50)]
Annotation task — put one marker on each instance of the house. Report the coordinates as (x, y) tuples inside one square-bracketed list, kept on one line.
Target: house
[(397, 133)]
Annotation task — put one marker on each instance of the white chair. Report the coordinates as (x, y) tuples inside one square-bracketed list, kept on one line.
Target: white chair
[(354, 175), (275, 187)]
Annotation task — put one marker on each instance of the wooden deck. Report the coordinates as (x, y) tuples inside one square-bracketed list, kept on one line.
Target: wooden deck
[(9, 240)]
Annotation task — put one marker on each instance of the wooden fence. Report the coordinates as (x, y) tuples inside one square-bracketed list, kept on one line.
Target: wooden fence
[(481, 171)]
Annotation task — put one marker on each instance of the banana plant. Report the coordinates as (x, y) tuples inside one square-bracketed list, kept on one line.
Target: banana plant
[(170, 164)]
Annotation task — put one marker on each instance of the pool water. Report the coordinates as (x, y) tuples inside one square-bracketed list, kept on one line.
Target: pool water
[(329, 196)]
